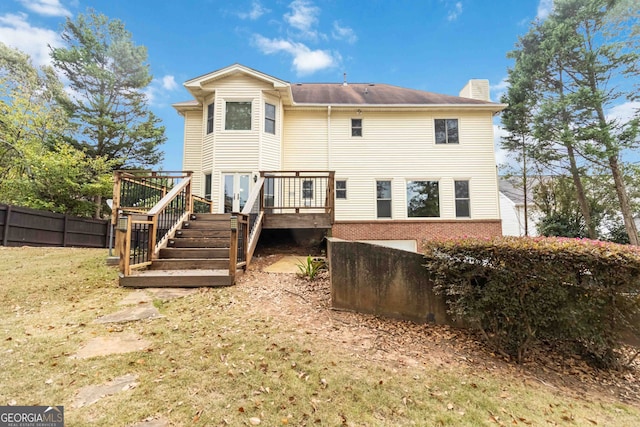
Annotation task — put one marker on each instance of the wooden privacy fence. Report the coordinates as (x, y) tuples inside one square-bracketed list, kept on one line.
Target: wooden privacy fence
[(29, 227)]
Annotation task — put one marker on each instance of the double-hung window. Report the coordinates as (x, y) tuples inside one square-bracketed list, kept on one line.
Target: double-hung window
[(207, 186), (383, 199), (270, 118), (210, 118), (237, 115), (463, 208), (446, 131), (356, 127), (341, 189), (423, 199)]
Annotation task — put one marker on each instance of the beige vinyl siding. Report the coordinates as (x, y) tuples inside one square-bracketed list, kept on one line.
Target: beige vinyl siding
[(305, 140), (397, 146), (192, 154)]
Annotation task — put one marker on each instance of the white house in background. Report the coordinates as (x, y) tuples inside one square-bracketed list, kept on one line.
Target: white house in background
[(409, 164), (512, 210)]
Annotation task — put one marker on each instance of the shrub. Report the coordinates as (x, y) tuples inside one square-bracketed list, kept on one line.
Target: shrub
[(520, 292), (310, 267)]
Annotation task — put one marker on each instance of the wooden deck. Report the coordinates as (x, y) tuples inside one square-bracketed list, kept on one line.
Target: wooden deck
[(297, 220)]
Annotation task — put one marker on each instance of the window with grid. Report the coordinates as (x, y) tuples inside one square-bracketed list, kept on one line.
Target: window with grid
[(341, 189), (383, 199), (356, 127), (446, 131), (270, 118)]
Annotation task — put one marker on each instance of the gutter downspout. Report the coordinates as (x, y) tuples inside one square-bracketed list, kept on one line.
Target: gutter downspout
[(329, 137)]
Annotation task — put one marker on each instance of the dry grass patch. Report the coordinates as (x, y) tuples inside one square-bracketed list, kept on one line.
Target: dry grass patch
[(267, 349)]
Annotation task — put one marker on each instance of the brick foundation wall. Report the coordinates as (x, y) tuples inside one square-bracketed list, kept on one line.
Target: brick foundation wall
[(415, 230)]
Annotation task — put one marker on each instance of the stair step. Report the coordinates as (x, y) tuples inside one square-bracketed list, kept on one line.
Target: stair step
[(203, 233), (210, 217), (189, 264), (177, 279), (214, 224), (190, 253), (199, 242)]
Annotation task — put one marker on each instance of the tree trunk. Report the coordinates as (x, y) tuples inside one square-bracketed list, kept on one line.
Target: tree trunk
[(98, 211), (623, 199), (580, 194)]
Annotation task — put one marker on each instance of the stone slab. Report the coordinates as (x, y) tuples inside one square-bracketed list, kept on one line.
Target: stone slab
[(287, 264), (117, 344), (131, 314), (136, 297), (91, 394)]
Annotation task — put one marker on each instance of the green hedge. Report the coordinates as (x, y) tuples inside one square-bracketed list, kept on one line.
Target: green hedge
[(579, 294)]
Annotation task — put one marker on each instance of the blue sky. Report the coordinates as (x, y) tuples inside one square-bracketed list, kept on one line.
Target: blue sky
[(432, 45)]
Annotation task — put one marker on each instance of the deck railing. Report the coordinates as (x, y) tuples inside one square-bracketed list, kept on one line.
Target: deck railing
[(298, 191), (147, 208)]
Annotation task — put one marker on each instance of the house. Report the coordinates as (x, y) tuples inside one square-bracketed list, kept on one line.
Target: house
[(512, 210), (398, 165)]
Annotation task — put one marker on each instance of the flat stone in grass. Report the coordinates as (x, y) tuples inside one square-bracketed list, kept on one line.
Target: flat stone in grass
[(131, 314), (118, 344), (136, 297), (160, 422), (91, 394)]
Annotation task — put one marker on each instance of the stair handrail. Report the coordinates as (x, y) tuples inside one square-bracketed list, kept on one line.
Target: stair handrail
[(158, 225)]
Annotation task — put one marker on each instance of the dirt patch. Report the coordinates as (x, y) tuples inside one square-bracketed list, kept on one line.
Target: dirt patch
[(306, 306)]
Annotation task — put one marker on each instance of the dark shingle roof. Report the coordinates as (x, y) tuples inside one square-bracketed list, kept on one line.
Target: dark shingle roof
[(372, 94)]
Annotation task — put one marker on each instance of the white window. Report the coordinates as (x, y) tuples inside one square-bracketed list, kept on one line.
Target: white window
[(463, 208), (270, 118), (423, 199), (446, 131), (356, 127), (237, 116), (341, 189), (383, 199), (210, 118)]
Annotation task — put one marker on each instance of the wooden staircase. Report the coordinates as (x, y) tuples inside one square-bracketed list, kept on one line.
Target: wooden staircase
[(196, 256)]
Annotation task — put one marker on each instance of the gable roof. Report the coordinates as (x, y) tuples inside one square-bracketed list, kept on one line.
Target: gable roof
[(373, 94)]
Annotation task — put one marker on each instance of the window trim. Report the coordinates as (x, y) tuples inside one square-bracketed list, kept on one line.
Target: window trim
[(456, 198), (356, 128), (446, 132), (341, 189), (268, 119), (406, 185), (236, 101), (210, 115), (390, 199)]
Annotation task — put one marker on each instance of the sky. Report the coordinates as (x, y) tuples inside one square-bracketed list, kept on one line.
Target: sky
[(431, 45)]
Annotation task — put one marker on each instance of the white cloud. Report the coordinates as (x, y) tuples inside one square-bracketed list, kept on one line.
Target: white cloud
[(499, 89), (545, 7), (455, 12), (46, 7), (169, 82), (16, 32), (304, 17), (305, 60), (257, 10), (344, 33), (624, 112)]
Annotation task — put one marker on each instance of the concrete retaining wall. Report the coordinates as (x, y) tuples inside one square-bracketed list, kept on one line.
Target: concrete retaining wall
[(383, 281)]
